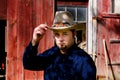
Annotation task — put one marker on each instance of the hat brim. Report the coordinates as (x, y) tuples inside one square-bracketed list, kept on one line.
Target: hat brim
[(73, 27)]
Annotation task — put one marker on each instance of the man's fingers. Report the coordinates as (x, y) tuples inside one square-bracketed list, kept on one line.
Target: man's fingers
[(44, 26), (38, 33)]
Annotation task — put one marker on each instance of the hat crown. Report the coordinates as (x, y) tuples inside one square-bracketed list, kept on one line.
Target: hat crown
[(63, 17), (64, 21)]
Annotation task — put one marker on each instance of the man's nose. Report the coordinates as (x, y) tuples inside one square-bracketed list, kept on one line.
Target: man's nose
[(61, 38)]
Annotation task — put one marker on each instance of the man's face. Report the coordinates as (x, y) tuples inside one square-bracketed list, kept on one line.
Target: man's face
[(64, 39)]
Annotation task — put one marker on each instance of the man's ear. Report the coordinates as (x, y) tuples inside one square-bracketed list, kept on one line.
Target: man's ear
[(74, 33), (75, 36)]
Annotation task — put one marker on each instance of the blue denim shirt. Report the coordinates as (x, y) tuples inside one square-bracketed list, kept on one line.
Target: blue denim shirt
[(76, 64)]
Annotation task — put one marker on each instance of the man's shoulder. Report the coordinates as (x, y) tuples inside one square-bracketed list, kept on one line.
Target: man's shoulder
[(53, 48), (81, 54)]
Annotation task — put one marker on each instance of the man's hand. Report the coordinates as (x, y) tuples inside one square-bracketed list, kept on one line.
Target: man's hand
[(38, 33)]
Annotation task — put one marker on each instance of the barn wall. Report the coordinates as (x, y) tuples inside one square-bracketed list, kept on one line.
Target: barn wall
[(22, 17), (3, 9), (108, 38)]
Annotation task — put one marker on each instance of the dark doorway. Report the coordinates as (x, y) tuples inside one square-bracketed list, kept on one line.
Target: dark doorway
[(2, 50)]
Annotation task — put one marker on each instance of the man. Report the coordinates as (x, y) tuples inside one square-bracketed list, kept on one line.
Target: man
[(64, 61)]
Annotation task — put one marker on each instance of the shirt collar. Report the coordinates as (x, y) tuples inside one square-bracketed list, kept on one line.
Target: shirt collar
[(70, 50)]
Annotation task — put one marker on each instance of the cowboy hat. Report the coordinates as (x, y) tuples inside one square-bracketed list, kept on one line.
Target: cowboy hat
[(64, 21)]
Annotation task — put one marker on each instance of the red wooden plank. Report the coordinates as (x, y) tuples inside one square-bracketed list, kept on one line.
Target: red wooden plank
[(11, 40), (20, 28), (71, 3), (25, 28), (25, 25), (115, 16), (103, 6)]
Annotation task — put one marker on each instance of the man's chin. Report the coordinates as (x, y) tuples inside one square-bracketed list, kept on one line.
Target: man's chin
[(62, 47)]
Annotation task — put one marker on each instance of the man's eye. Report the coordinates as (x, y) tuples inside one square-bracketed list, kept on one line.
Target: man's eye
[(56, 34), (65, 34)]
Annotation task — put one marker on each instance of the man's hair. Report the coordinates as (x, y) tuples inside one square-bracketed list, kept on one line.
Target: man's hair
[(73, 31)]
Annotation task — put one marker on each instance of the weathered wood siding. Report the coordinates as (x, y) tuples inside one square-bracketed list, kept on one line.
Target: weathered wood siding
[(22, 17), (108, 51), (3, 9)]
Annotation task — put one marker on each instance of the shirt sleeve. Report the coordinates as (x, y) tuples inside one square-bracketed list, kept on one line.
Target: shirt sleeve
[(33, 61)]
